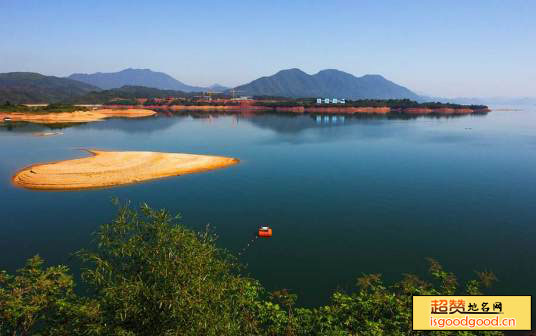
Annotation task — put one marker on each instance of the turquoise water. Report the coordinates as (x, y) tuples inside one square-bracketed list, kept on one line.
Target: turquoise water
[(344, 196)]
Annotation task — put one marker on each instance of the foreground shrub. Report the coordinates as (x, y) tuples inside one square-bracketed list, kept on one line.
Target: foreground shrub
[(155, 277), (148, 275)]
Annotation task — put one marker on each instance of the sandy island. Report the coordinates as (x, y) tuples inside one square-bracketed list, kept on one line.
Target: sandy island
[(74, 117), (107, 169)]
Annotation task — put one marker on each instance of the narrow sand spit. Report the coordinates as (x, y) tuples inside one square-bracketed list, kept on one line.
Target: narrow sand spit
[(107, 169), (76, 116)]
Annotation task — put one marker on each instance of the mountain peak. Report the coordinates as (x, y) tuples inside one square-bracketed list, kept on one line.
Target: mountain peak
[(135, 77), (332, 71), (141, 69), (291, 71), (334, 74), (326, 83)]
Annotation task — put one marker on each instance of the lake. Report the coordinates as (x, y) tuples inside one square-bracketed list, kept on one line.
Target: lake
[(345, 196)]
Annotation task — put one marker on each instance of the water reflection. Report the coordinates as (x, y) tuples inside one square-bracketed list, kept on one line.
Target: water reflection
[(283, 123), (329, 119)]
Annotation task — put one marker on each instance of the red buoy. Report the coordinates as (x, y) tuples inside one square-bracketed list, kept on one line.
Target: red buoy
[(265, 232)]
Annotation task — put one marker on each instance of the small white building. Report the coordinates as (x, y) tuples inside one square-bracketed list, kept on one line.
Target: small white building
[(242, 98), (330, 101)]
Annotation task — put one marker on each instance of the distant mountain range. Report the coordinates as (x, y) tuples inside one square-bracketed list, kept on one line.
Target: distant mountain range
[(139, 77), (285, 83), (326, 83), (30, 87)]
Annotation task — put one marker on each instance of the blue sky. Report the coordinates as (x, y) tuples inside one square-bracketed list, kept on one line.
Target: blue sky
[(443, 48)]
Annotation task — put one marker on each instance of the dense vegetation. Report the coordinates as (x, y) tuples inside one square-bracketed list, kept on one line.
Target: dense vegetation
[(127, 93), (190, 100), (392, 103), (148, 275), (8, 107), (29, 87)]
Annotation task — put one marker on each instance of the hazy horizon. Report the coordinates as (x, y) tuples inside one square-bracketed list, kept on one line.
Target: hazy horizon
[(446, 49)]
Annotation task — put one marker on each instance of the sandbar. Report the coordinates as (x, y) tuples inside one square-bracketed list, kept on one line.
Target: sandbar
[(75, 117), (108, 168)]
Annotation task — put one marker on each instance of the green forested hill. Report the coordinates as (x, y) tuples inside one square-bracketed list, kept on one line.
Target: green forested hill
[(326, 83), (30, 87)]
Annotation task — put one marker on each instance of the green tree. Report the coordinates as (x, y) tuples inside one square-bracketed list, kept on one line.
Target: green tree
[(154, 277), (41, 301)]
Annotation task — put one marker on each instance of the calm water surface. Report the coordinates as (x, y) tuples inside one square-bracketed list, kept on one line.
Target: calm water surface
[(344, 196)]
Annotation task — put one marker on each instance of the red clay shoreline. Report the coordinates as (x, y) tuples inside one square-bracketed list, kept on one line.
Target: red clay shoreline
[(413, 111)]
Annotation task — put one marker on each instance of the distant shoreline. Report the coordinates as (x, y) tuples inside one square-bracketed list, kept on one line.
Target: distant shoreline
[(415, 111)]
